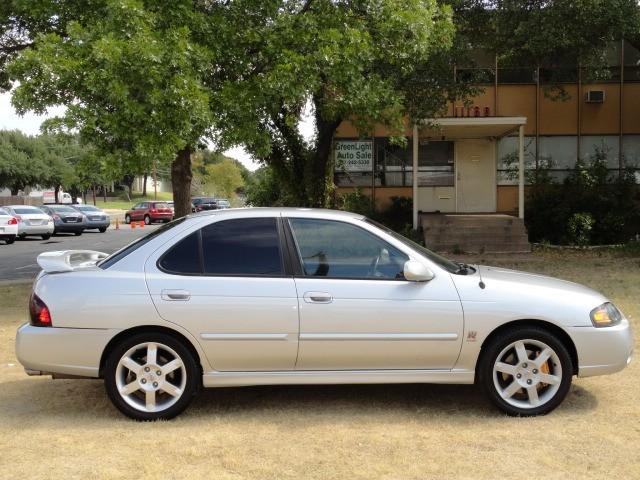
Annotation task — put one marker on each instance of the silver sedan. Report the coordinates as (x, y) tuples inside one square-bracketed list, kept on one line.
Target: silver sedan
[(297, 296), (31, 221)]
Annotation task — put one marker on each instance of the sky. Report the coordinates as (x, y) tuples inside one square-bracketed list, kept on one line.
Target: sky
[(30, 125)]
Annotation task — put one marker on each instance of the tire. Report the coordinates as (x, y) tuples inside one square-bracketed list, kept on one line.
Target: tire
[(77, 234), (9, 241), (127, 219), (46, 236), (102, 229), (512, 377), (183, 381), (147, 220)]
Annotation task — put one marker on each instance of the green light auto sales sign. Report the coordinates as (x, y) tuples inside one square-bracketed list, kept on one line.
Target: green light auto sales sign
[(354, 155)]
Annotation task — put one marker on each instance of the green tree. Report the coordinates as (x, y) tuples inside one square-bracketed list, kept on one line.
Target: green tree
[(131, 74), (363, 61), (223, 178)]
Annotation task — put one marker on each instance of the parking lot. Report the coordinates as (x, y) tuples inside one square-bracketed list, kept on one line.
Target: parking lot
[(69, 429), (18, 261)]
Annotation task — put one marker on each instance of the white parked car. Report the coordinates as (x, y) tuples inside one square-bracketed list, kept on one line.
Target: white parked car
[(31, 221), (299, 296), (8, 227)]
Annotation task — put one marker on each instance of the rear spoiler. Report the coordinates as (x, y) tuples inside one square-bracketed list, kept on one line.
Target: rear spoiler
[(69, 260)]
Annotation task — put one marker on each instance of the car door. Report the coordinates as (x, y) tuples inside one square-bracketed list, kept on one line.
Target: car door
[(357, 311), (226, 283)]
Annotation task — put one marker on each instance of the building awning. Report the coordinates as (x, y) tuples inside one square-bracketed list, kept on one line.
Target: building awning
[(470, 127)]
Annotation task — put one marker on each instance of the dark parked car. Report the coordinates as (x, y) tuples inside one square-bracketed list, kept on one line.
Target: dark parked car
[(204, 203), (149, 212), (95, 218), (65, 219)]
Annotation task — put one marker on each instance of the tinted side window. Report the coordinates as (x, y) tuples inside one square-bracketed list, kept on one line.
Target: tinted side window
[(341, 250), (244, 246), (183, 257)]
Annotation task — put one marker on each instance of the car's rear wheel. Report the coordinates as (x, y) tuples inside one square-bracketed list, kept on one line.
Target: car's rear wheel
[(127, 219), (77, 234), (526, 371), (151, 376), (102, 229), (46, 236), (10, 240), (147, 220)]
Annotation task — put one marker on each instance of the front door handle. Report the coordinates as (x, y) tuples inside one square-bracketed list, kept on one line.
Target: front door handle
[(175, 295), (317, 297)]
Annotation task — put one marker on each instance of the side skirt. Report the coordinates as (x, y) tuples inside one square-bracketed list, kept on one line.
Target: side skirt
[(335, 377)]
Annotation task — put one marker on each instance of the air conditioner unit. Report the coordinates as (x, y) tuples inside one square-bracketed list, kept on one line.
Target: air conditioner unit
[(595, 96)]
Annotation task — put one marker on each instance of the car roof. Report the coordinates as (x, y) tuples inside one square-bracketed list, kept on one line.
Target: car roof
[(281, 211)]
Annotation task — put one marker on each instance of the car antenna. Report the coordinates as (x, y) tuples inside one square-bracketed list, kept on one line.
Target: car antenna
[(481, 283)]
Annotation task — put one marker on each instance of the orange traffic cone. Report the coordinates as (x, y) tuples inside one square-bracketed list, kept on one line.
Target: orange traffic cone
[(133, 225), (141, 223), (117, 224)]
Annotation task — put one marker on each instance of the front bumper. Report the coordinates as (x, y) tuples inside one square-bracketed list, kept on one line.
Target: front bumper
[(68, 351), (602, 351)]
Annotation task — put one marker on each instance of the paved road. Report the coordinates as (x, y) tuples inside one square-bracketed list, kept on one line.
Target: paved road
[(18, 261)]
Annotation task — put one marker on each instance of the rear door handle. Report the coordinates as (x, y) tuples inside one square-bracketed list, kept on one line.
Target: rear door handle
[(317, 297), (175, 295)]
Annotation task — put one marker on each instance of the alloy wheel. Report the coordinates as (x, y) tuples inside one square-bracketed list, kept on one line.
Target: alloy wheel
[(151, 377), (527, 373)]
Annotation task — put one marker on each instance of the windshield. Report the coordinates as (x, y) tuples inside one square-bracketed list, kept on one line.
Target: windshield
[(137, 243), (88, 208), (27, 211), (441, 261)]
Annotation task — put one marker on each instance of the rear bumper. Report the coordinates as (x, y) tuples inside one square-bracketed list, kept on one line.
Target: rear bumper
[(8, 231), (35, 229), (68, 351), (602, 351), (161, 216), (97, 224), (69, 227)]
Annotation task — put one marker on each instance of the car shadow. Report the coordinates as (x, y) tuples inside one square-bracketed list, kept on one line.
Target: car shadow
[(43, 398)]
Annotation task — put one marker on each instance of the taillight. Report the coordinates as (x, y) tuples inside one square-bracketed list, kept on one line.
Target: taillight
[(13, 221), (40, 315), (56, 217)]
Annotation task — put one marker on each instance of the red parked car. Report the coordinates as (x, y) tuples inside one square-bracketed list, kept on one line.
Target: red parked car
[(149, 212)]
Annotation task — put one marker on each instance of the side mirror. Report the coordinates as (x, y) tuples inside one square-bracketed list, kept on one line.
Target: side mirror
[(417, 272)]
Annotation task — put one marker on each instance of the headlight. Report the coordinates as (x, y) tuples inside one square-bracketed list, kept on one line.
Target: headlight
[(606, 315)]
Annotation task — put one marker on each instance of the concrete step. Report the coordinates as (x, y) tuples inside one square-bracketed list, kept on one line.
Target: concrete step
[(475, 233)]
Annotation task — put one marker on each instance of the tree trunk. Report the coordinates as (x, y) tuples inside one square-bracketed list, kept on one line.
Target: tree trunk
[(104, 193), (56, 192), (14, 191), (320, 161), (181, 182), (144, 184), (93, 192)]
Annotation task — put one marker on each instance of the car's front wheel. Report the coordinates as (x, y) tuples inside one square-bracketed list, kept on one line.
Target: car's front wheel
[(151, 376), (147, 220), (526, 371)]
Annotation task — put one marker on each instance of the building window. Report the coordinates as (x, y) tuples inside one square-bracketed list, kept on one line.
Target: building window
[(435, 164), (517, 75), (393, 163), (508, 158)]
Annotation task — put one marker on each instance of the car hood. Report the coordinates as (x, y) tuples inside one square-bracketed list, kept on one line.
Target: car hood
[(538, 281), (513, 295)]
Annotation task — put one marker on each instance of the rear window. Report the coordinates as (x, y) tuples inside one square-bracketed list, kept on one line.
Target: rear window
[(136, 244), (160, 205), (27, 211), (62, 209)]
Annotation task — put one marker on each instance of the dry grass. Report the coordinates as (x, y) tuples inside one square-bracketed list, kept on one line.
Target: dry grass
[(68, 429)]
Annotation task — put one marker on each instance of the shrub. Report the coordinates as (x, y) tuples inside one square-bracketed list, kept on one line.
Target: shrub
[(579, 228), (356, 202)]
